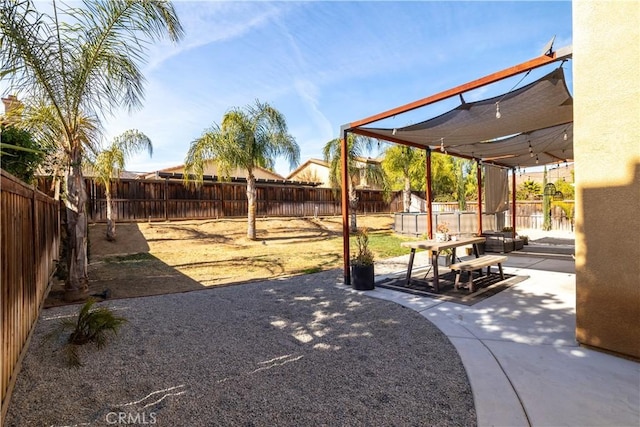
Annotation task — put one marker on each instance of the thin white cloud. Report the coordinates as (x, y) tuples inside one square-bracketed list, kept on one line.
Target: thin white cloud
[(207, 22)]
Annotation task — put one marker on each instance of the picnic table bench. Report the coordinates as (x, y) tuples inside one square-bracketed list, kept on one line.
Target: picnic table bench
[(435, 247), (477, 264)]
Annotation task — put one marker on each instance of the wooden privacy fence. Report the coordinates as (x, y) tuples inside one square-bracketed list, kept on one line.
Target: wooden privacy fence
[(167, 199), (30, 227)]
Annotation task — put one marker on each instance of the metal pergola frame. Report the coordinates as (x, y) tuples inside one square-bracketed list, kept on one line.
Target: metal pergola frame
[(546, 58)]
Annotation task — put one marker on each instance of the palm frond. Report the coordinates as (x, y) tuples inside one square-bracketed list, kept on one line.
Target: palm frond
[(110, 162), (200, 151)]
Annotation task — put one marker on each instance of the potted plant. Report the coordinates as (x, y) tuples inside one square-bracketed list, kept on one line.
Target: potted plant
[(507, 231), (442, 232), (362, 275), (445, 257)]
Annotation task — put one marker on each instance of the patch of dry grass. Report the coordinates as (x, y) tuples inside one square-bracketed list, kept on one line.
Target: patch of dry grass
[(167, 257)]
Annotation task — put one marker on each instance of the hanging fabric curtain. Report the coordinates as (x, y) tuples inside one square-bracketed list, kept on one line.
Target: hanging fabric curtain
[(496, 189)]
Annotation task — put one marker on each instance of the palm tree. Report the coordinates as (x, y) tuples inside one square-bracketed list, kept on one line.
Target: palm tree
[(443, 184), (358, 168), (529, 190), (248, 138), (109, 163), (73, 75), (407, 163)]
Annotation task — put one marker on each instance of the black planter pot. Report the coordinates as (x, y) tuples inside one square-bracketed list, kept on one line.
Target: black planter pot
[(362, 278)]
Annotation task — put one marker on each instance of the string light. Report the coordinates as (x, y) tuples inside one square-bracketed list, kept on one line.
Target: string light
[(565, 137), (537, 161), (442, 144), (498, 114)]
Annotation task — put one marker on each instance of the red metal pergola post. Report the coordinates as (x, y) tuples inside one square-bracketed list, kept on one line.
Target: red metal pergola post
[(513, 202), (428, 194), (479, 175), (344, 196)]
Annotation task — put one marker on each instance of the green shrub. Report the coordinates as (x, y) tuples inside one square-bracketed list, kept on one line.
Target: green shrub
[(91, 326)]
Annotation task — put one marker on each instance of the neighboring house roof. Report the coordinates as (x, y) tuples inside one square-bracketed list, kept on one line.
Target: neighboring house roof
[(306, 164), (212, 170), (316, 170)]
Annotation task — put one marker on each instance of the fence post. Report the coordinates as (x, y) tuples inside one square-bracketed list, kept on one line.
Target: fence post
[(35, 271), (166, 199)]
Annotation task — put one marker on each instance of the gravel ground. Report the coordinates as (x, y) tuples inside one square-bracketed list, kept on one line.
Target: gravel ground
[(299, 351)]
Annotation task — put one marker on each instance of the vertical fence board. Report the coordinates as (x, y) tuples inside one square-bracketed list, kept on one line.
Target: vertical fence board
[(30, 230)]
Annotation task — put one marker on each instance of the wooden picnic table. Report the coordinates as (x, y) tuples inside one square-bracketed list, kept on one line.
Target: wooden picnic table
[(435, 247)]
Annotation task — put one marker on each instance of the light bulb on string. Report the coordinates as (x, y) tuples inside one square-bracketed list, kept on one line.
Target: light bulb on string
[(565, 137), (498, 114), (442, 144), (537, 161)]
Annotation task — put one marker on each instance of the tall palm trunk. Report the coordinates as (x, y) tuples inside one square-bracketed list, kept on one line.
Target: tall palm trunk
[(111, 224), (77, 283), (251, 200), (353, 205), (406, 194)]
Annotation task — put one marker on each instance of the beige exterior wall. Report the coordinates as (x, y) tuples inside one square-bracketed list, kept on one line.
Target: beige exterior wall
[(314, 170), (606, 73), (311, 171)]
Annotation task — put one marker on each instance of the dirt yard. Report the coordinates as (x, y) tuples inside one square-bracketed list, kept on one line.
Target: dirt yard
[(167, 257)]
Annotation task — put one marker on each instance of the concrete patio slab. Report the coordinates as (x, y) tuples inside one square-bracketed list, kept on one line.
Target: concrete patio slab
[(520, 353)]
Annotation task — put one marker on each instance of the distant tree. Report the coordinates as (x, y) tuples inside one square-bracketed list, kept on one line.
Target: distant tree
[(444, 182), (568, 208), (405, 169), (110, 162), (528, 190), (74, 74), (20, 155), (248, 138), (357, 169), (568, 191), (465, 181)]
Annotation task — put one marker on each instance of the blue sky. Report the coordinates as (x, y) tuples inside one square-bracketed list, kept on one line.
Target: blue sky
[(324, 64)]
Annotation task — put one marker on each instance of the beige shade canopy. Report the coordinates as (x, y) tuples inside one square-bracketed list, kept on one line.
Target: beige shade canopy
[(535, 127)]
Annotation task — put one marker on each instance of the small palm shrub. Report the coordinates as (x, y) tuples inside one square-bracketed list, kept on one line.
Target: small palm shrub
[(91, 326), (363, 256)]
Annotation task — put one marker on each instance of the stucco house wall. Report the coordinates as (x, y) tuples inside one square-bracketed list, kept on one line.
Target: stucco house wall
[(313, 170), (606, 67)]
